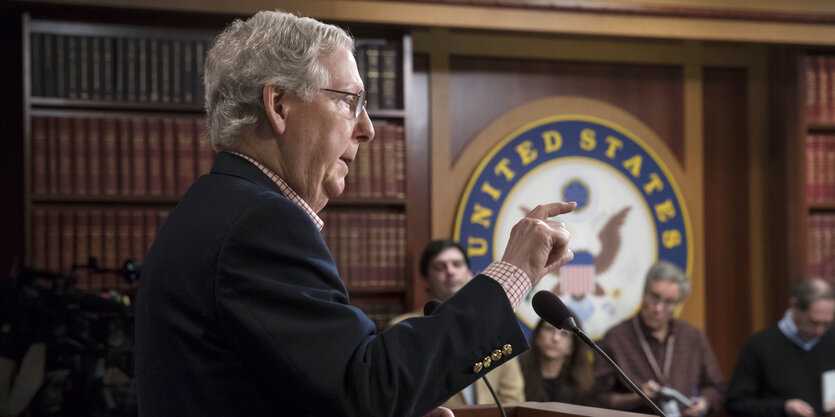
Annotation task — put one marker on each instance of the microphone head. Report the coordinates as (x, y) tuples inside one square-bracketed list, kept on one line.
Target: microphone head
[(430, 306), (551, 309)]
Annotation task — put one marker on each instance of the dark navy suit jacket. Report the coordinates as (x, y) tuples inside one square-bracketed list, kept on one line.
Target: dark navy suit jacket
[(241, 312)]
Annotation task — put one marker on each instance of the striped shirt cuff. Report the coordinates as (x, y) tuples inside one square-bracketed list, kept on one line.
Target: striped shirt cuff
[(514, 281)]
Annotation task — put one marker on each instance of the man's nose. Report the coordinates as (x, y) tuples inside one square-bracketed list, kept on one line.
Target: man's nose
[(364, 132)]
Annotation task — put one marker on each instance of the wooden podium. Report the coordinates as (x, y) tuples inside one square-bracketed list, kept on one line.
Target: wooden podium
[(535, 409)]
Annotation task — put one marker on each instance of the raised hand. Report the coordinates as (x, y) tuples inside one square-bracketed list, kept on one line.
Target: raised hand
[(539, 245)]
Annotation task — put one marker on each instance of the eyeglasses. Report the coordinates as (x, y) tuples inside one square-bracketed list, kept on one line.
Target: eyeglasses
[(358, 104), (655, 299)]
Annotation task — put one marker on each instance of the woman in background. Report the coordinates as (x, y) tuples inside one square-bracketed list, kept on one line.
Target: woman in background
[(556, 368)]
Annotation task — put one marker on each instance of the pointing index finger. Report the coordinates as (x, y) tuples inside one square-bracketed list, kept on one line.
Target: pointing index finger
[(545, 211)]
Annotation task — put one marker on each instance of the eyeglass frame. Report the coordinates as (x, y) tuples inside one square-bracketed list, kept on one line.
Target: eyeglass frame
[(668, 303), (361, 98)]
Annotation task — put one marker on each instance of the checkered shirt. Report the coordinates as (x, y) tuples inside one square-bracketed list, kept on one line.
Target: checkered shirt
[(514, 281), (286, 190)]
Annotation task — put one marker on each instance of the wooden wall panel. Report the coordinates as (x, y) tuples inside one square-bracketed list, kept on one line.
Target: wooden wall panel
[(726, 211), (417, 140), (482, 89)]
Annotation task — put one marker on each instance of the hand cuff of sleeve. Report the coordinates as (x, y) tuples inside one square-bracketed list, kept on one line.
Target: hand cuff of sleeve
[(514, 281)]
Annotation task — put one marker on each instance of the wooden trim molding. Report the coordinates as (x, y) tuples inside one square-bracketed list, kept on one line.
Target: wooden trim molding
[(768, 25), (740, 10)]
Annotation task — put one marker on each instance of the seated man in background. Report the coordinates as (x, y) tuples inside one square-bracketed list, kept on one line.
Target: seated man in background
[(780, 369), (445, 268), (655, 350)]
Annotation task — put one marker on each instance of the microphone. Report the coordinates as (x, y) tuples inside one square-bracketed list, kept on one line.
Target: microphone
[(551, 309), (428, 308)]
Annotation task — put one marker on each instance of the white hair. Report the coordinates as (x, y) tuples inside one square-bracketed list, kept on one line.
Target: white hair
[(669, 272), (270, 48)]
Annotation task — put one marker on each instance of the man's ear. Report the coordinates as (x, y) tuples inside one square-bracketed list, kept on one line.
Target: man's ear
[(275, 105)]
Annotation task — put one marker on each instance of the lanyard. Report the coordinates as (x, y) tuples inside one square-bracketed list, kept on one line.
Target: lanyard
[(668, 356)]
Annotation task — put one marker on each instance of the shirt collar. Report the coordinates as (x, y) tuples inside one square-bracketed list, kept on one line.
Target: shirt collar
[(789, 329), (285, 188), (647, 332)]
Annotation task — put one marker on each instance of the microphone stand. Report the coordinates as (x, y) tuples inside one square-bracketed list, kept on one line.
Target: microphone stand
[(428, 308), (619, 371), (495, 397)]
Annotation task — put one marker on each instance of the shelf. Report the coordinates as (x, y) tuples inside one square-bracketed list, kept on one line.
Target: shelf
[(822, 206), (821, 127), (77, 104), (104, 200), (367, 202)]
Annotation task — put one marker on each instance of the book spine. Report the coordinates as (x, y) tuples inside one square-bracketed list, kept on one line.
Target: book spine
[(811, 88), (165, 68), (176, 71), (120, 83), (142, 73), (131, 69), (169, 170), (400, 161), (82, 248), (110, 157), (376, 149), (36, 64), (74, 67), (205, 153), (52, 154), (79, 153), (67, 240), (154, 157), (60, 66), (389, 77), (185, 154), (154, 53), (139, 157), (188, 72), (830, 66), (96, 75), (40, 175), (372, 85), (125, 157), (809, 152), (49, 64), (94, 157), (388, 133), (85, 69), (108, 68), (96, 245), (65, 171), (822, 90)]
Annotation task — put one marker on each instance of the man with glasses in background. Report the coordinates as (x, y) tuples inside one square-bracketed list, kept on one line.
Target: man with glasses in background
[(241, 311), (656, 350)]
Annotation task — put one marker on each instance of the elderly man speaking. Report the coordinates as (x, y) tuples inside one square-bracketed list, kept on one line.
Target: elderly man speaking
[(241, 311)]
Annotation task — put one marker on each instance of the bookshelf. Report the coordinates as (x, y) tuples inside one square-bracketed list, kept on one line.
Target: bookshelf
[(817, 73), (114, 134)]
